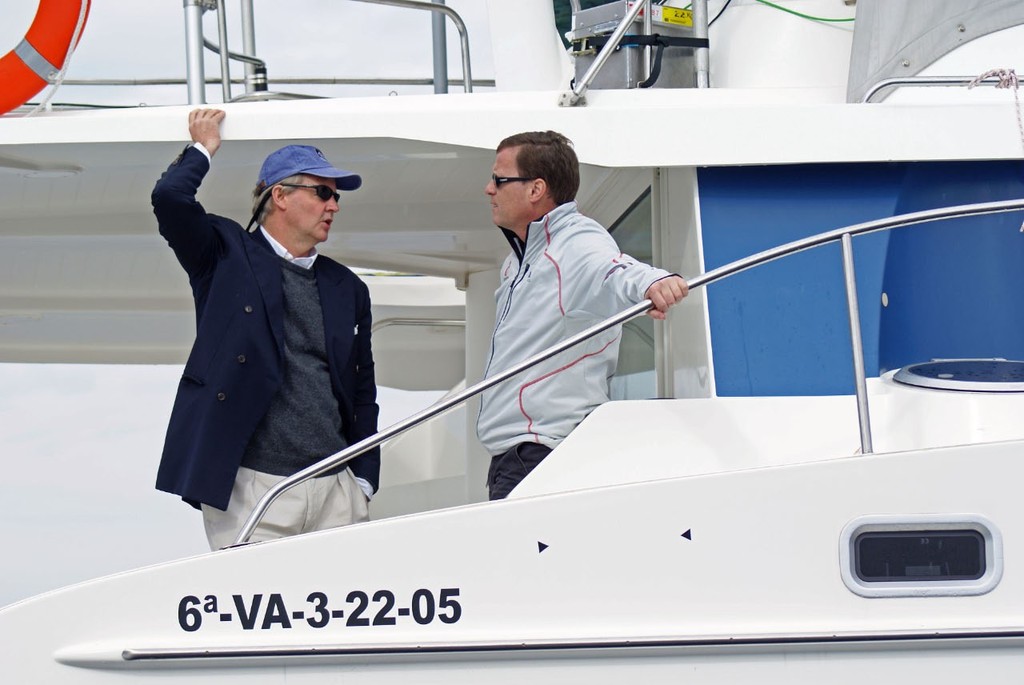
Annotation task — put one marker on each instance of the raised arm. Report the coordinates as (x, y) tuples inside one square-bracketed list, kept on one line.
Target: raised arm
[(181, 219)]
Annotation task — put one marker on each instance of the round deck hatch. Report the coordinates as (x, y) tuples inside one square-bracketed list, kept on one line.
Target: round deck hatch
[(974, 375)]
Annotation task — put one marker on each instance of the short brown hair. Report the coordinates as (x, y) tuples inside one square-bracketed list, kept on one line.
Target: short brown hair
[(547, 155)]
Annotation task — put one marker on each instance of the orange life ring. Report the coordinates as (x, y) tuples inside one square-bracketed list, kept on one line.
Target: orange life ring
[(25, 70)]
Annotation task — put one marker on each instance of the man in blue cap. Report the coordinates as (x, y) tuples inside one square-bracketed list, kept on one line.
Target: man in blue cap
[(281, 371)]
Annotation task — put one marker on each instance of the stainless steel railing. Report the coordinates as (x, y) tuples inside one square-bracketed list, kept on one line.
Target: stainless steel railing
[(842, 235), (255, 73), (410, 321), (369, 443), (926, 82), (467, 76)]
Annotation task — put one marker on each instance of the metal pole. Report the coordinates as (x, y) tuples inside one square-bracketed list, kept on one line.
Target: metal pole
[(194, 69), (355, 450), (576, 94), (248, 43), (225, 60), (440, 51), (859, 380), (701, 56), (645, 67)]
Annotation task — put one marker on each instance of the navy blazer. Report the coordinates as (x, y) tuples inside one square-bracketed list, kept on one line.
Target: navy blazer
[(236, 362)]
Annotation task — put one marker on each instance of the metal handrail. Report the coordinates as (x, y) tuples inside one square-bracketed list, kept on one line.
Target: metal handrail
[(467, 76), (928, 81), (195, 42), (844, 235), (293, 80), (409, 321), (369, 443), (898, 221)]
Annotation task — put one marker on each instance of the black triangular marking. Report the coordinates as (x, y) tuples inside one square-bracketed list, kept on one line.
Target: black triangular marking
[(687, 534), (541, 547)]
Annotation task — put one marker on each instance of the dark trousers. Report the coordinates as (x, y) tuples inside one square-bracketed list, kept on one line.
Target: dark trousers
[(509, 468)]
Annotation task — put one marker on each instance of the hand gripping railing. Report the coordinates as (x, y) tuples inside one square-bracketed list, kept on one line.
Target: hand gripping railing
[(843, 235)]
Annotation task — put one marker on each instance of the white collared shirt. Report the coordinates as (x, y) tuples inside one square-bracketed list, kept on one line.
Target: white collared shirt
[(305, 262)]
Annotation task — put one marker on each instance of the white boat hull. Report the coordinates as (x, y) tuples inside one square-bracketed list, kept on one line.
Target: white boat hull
[(722, 577)]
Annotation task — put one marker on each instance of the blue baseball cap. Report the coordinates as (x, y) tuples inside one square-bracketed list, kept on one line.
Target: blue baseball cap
[(304, 159)]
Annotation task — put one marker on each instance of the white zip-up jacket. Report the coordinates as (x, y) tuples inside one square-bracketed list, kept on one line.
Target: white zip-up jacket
[(568, 276)]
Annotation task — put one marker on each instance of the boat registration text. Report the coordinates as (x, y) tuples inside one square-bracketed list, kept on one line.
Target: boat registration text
[(359, 609)]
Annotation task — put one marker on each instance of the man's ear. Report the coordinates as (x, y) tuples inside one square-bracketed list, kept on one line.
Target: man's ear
[(277, 196), (538, 189)]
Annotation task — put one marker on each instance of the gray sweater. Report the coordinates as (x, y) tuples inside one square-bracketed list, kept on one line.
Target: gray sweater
[(303, 423)]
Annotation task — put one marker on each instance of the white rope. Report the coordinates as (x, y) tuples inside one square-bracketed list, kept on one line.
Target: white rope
[(59, 78), (1007, 79)]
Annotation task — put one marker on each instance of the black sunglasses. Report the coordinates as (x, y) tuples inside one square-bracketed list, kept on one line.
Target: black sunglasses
[(323, 192), (501, 180)]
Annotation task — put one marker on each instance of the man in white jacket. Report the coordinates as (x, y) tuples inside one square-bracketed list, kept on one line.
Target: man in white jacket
[(564, 275)]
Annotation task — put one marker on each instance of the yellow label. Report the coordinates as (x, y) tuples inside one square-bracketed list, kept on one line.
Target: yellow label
[(676, 15)]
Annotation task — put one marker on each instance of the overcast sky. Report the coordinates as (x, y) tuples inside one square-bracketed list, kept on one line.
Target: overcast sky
[(81, 443)]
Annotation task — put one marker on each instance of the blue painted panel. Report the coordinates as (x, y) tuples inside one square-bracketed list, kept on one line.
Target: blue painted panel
[(782, 329), (956, 289)]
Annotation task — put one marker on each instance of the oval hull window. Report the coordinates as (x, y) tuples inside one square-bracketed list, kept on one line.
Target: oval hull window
[(912, 556)]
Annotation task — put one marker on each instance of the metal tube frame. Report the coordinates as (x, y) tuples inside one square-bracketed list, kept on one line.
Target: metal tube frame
[(842, 234), (576, 95), (701, 56), (857, 346), (286, 79), (440, 38), (225, 61), (645, 67), (194, 68), (467, 76), (926, 81), (248, 45), (195, 42), (248, 60)]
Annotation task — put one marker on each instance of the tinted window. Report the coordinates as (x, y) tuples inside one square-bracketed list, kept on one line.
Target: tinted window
[(923, 555)]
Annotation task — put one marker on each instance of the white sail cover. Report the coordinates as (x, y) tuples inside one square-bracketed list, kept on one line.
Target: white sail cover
[(897, 38)]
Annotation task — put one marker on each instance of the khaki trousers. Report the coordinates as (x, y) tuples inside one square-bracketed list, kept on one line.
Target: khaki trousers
[(317, 504)]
